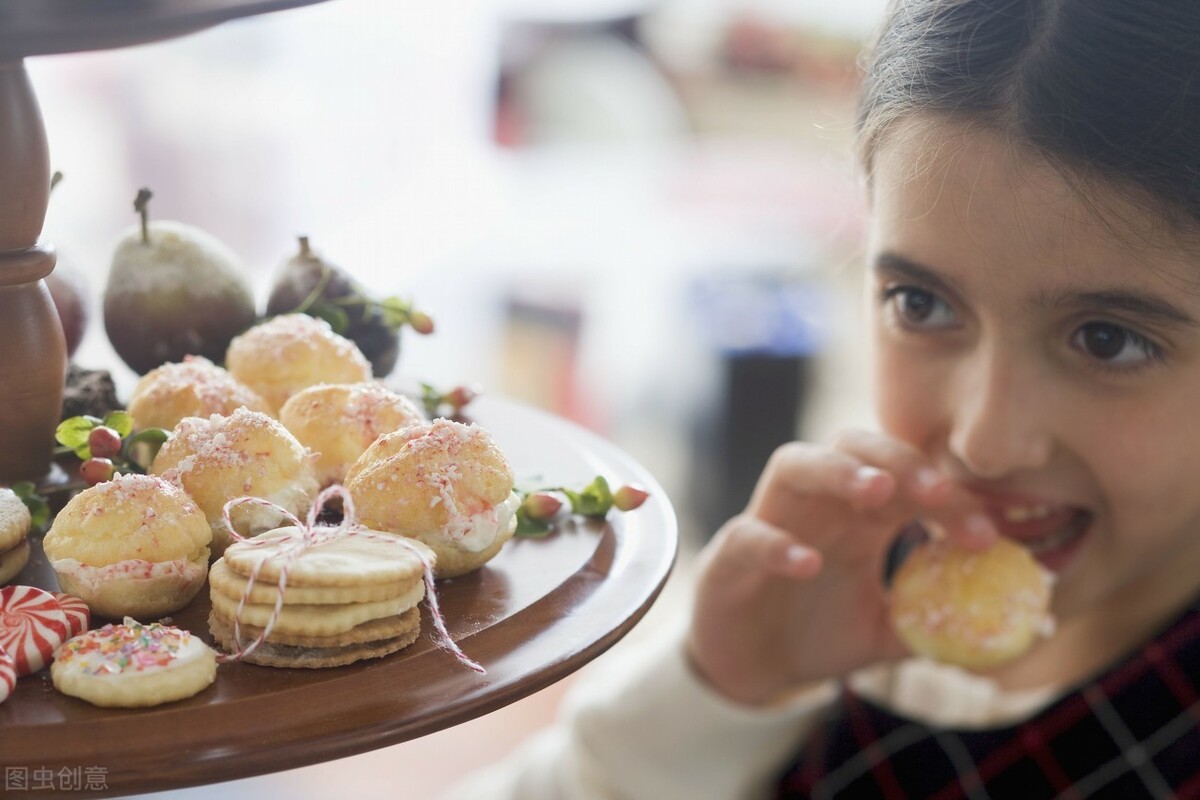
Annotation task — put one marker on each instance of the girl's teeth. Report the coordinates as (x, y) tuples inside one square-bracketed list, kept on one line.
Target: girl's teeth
[(1025, 513), (1056, 539)]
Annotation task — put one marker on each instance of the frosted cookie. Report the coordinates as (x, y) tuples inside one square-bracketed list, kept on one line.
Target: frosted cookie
[(347, 598), (285, 354), (32, 626), (134, 545), (443, 483), (973, 609), (247, 453), (339, 422), (194, 387), (133, 665), (14, 527), (8, 675)]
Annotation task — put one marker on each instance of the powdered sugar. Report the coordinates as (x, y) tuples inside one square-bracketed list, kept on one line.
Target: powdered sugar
[(277, 336), (177, 253), (213, 387)]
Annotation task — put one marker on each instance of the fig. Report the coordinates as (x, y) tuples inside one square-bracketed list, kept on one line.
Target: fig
[(174, 290), (68, 290), (309, 284)]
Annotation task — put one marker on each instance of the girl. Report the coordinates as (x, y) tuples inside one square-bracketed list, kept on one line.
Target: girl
[(1034, 279)]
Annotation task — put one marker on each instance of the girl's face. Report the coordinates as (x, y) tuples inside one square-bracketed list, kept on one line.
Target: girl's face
[(1044, 350)]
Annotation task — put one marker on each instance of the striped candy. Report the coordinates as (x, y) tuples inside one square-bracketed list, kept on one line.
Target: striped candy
[(8, 674), (79, 616), (32, 626)]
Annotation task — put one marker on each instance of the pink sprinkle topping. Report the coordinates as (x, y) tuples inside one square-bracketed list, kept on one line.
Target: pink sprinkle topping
[(132, 647)]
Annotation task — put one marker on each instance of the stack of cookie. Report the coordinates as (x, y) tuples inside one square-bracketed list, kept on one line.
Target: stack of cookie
[(14, 527), (346, 599)]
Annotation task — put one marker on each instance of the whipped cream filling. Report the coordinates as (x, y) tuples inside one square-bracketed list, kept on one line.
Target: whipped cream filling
[(253, 519), (478, 532), (134, 569)]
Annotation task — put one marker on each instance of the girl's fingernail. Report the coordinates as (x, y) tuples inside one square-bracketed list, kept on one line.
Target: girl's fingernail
[(863, 476), (927, 478), (797, 554)]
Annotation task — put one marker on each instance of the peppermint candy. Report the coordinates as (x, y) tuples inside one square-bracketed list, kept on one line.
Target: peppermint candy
[(32, 626), (8, 674), (79, 616)]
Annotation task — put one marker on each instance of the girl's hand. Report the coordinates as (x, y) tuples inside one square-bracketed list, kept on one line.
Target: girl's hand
[(791, 592)]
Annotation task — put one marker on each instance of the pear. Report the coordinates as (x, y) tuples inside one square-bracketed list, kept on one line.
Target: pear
[(308, 283), (174, 290)]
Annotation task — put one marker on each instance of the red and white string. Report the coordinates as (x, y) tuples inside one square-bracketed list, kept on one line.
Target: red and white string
[(310, 534)]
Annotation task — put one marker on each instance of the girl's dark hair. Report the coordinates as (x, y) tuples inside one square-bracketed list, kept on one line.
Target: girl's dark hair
[(1107, 89)]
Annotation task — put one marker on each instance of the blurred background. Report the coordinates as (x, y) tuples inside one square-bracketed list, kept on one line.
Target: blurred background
[(643, 216)]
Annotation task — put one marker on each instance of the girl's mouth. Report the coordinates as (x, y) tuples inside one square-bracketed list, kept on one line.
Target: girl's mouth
[(1053, 534)]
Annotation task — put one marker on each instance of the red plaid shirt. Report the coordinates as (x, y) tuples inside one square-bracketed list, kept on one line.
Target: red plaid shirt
[(1132, 732)]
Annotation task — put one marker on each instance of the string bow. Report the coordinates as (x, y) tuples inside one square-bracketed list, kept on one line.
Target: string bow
[(312, 534)]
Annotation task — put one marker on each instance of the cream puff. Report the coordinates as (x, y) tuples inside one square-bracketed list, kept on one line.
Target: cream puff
[(338, 422), (194, 387), (136, 545), (247, 453), (285, 354), (443, 483), (973, 609)]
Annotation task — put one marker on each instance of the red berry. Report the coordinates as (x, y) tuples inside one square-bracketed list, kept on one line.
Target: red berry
[(541, 506), (104, 442), (459, 396), (96, 470), (421, 322), (629, 497)]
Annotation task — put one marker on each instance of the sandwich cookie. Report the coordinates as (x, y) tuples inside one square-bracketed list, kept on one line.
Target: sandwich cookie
[(14, 528), (340, 600)]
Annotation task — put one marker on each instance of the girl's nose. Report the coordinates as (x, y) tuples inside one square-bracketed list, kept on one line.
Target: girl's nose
[(999, 423)]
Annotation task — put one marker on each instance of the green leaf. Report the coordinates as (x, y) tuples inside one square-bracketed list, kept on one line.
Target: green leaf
[(73, 433), (153, 438), (531, 529), (39, 509), (431, 398), (596, 499), (119, 421), (394, 312), (336, 316)]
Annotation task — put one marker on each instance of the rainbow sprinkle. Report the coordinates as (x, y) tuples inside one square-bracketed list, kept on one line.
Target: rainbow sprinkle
[(131, 647)]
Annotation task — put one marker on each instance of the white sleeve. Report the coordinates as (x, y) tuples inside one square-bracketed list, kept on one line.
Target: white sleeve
[(647, 727)]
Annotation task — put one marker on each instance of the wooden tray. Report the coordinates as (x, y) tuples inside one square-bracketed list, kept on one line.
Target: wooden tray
[(540, 610), (41, 27)]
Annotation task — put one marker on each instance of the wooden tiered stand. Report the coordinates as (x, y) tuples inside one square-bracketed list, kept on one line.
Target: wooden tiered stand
[(538, 611)]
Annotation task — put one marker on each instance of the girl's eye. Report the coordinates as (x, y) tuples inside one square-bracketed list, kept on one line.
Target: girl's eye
[(919, 308), (1115, 345)]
